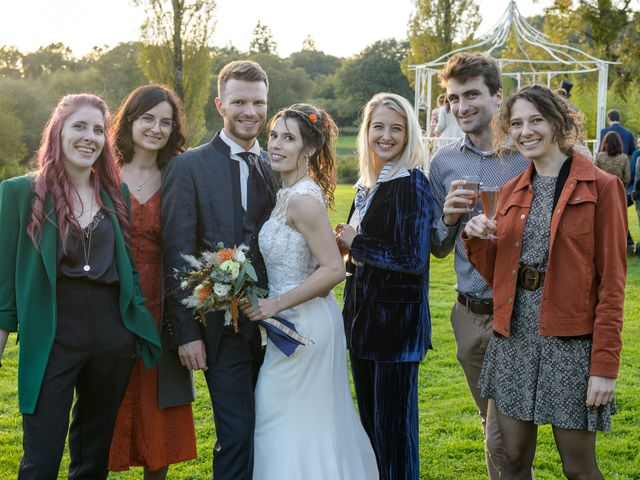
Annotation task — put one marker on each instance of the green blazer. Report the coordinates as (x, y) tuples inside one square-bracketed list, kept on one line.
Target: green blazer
[(28, 288)]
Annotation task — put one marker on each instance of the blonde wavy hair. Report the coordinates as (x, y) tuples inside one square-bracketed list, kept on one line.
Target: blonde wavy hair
[(412, 154)]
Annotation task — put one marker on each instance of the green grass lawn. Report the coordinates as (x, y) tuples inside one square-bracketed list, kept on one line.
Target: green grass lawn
[(346, 145), (450, 433)]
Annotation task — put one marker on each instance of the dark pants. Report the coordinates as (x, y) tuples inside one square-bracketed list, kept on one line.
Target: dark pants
[(387, 396), (92, 353), (230, 382)]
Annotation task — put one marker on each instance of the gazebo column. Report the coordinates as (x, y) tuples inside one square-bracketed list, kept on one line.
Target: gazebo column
[(603, 80)]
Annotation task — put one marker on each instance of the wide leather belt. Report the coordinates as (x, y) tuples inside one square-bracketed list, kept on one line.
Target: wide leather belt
[(530, 278), (477, 306)]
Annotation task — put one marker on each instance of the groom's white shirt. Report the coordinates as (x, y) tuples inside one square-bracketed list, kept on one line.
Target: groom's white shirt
[(244, 169)]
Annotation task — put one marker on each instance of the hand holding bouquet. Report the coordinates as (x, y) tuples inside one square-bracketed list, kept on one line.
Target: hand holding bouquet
[(218, 280)]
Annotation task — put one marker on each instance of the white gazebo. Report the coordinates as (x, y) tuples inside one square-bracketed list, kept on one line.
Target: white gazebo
[(551, 60)]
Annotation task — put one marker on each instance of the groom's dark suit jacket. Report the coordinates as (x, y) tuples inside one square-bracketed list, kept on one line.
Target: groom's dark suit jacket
[(201, 206)]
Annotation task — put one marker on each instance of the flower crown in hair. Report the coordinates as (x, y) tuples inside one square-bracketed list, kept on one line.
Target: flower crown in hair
[(313, 118)]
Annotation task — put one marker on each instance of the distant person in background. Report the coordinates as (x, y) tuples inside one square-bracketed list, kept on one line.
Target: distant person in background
[(614, 125), (155, 422), (611, 159), (565, 92), (447, 128), (435, 113), (633, 189), (386, 299), (628, 146)]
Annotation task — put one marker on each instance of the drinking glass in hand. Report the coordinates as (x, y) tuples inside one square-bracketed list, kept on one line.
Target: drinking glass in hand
[(489, 197), (344, 251), (471, 182)]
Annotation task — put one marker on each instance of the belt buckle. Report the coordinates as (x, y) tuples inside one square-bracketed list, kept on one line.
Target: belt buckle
[(529, 278)]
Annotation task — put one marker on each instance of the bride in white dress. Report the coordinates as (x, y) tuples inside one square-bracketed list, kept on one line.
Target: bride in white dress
[(306, 423)]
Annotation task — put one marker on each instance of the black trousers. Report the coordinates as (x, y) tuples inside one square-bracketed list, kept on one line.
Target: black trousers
[(230, 381), (92, 354), (387, 394)]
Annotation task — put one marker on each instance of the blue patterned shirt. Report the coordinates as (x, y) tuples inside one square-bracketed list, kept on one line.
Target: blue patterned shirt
[(451, 163)]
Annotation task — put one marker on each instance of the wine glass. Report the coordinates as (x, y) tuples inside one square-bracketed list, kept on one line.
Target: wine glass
[(489, 197)]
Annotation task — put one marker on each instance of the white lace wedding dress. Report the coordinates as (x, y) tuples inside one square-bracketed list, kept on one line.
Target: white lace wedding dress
[(307, 427)]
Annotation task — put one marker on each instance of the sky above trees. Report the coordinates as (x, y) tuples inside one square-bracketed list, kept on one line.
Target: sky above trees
[(338, 27)]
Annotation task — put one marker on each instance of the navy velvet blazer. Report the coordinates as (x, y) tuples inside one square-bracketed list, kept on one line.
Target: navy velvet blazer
[(386, 301)]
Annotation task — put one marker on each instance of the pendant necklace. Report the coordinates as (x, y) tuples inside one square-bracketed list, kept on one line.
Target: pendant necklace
[(85, 235), (140, 185)]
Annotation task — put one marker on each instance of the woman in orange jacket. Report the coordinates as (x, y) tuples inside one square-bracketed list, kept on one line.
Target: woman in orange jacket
[(558, 269)]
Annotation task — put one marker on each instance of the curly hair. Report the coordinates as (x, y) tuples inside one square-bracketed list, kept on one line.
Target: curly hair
[(566, 123), (318, 131), (141, 100), (51, 178)]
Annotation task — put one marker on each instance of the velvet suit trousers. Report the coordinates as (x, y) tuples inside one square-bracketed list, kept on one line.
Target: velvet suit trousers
[(387, 394), (93, 354)]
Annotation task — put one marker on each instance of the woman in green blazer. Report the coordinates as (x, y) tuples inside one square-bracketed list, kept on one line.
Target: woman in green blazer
[(68, 287)]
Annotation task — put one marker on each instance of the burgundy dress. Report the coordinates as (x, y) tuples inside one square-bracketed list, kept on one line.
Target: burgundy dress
[(146, 435)]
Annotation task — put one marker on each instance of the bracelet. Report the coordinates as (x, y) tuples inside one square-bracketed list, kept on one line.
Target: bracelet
[(278, 303)]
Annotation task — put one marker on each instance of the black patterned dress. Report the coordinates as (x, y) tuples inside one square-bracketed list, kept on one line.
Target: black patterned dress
[(532, 377)]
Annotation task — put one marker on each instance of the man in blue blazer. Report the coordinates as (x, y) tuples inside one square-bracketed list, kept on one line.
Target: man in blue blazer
[(614, 125), (222, 192)]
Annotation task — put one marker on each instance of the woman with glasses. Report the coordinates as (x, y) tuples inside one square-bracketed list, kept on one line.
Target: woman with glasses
[(155, 423)]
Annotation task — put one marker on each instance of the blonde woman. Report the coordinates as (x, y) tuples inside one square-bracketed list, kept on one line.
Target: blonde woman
[(386, 299)]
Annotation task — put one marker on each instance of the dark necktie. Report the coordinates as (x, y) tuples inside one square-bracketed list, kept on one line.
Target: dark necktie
[(251, 214)]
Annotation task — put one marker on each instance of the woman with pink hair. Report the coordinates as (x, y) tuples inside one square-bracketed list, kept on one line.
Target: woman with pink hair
[(68, 287)]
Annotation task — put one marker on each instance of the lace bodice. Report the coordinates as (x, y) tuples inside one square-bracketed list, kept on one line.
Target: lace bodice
[(287, 256)]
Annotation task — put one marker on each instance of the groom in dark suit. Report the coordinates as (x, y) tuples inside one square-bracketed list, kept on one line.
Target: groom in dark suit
[(222, 192)]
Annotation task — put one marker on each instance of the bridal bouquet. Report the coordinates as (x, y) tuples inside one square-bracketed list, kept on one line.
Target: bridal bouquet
[(217, 280)]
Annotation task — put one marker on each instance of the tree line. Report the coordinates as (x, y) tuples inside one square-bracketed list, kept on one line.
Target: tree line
[(173, 49)]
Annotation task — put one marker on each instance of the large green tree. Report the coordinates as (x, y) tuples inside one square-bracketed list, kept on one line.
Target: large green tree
[(51, 58), (175, 51), (375, 69), (437, 26), (10, 61), (11, 145)]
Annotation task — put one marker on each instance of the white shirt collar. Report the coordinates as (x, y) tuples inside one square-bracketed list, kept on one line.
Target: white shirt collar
[(235, 149)]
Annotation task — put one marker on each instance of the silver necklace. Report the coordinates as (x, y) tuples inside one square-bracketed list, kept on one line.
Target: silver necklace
[(86, 246), (87, 233), (140, 185)]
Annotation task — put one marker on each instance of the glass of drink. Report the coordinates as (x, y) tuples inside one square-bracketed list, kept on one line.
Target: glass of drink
[(472, 182), (489, 197), (344, 251)]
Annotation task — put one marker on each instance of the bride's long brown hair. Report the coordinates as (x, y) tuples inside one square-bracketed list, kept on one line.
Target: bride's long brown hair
[(318, 131)]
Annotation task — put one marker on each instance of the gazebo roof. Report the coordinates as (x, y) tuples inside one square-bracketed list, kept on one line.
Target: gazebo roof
[(549, 59), (528, 39)]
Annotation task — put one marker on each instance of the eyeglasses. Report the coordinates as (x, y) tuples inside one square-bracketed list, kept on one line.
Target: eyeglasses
[(149, 121)]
